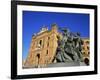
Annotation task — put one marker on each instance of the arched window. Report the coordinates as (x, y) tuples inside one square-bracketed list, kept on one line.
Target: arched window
[(83, 47), (83, 53), (88, 47), (39, 44), (38, 55), (87, 42)]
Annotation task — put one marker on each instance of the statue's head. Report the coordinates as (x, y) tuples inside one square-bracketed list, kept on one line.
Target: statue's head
[(65, 30), (78, 34)]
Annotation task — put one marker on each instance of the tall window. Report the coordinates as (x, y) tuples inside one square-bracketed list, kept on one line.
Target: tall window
[(47, 52), (48, 44), (88, 53), (48, 41), (40, 42), (48, 38), (38, 57)]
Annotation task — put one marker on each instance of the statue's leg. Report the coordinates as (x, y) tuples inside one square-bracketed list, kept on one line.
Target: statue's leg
[(80, 55), (76, 58), (69, 53), (63, 59), (67, 57), (58, 57)]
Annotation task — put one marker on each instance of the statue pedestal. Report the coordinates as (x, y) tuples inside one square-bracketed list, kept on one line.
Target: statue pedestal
[(66, 64), (61, 64)]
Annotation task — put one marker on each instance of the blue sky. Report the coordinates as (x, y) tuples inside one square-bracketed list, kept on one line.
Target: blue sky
[(34, 21)]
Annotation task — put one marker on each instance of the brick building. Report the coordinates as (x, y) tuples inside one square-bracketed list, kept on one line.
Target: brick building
[(86, 48), (43, 47)]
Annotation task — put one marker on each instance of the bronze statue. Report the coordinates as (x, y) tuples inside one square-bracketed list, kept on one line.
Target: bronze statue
[(69, 48)]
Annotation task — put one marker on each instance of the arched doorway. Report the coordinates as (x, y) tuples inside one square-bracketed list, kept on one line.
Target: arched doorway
[(37, 60), (86, 60)]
